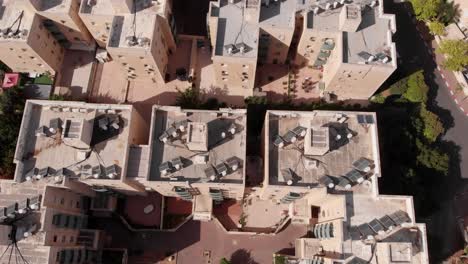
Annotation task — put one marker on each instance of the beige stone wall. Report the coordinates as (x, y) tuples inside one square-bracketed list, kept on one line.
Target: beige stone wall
[(358, 81), (70, 25), (39, 53)]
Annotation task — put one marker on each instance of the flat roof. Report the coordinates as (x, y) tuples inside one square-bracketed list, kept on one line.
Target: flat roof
[(195, 159), (279, 14), (55, 6), (38, 148), (236, 27), (124, 28), (105, 7), (306, 169), (11, 12), (371, 37)]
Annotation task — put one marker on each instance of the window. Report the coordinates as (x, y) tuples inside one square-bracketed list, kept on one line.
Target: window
[(77, 204), (71, 239), (62, 201), (76, 39), (62, 21), (55, 238), (64, 238)]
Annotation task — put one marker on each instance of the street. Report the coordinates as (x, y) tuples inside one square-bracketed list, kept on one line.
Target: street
[(416, 51)]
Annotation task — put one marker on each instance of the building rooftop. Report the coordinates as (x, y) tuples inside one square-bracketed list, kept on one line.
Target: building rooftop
[(303, 147), (133, 31), (279, 14), (105, 7), (237, 33), (197, 145), (72, 139), (371, 37), (15, 22), (55, 6)]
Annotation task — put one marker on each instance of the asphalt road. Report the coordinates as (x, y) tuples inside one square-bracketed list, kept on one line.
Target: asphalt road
[(415, 51)]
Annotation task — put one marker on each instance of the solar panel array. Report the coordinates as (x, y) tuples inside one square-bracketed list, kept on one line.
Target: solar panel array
[(354, 176), (323, 231), (387, 222), (362, 164), (365, 119), (319, 138)]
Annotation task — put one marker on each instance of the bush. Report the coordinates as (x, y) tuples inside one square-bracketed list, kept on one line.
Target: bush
[(224, 261), (433, 127), (280, 259), (457, 54), (378, 99), (437, 28), (432, 158), (188, 99), (11, 113), (417, 89)]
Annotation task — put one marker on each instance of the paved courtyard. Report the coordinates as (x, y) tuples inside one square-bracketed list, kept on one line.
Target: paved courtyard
[(194, 238)]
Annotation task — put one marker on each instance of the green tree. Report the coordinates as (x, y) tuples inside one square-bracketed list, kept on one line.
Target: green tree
[(224, 261), (437, 28), (11, 112), (417, 89), (433, 127), (432, 158), (188, 99), (457, 53), (280, 259), (426, 10)]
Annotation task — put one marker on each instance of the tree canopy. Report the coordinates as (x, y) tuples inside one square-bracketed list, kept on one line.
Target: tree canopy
[(437, 28), (416, 88), (11, 112), (457, 53), (426, 10)]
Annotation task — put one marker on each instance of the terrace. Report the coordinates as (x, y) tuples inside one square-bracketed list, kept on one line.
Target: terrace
[(198, 146), (73, 140), (310, 148)]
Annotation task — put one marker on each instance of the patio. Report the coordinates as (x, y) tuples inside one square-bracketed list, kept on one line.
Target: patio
[(303, 82), (176, 211), (143, 211)]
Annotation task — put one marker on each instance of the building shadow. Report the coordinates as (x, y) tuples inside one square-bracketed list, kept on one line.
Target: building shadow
[(242, 256)]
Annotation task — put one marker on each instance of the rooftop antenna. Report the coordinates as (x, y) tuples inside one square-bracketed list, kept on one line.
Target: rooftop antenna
[(17, 20), (134, 38)]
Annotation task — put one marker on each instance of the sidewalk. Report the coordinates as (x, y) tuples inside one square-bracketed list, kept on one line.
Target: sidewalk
[(449, 80)]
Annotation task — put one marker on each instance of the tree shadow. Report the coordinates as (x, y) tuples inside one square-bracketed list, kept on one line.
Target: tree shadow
[(242, 256)]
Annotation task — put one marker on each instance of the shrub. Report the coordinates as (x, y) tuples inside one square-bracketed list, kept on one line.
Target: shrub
[(417, 89), (433, 127)]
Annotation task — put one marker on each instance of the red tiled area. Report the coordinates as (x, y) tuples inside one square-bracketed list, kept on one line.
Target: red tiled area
[(194, 238), (134, 210), (178, 206), (228, 213)]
